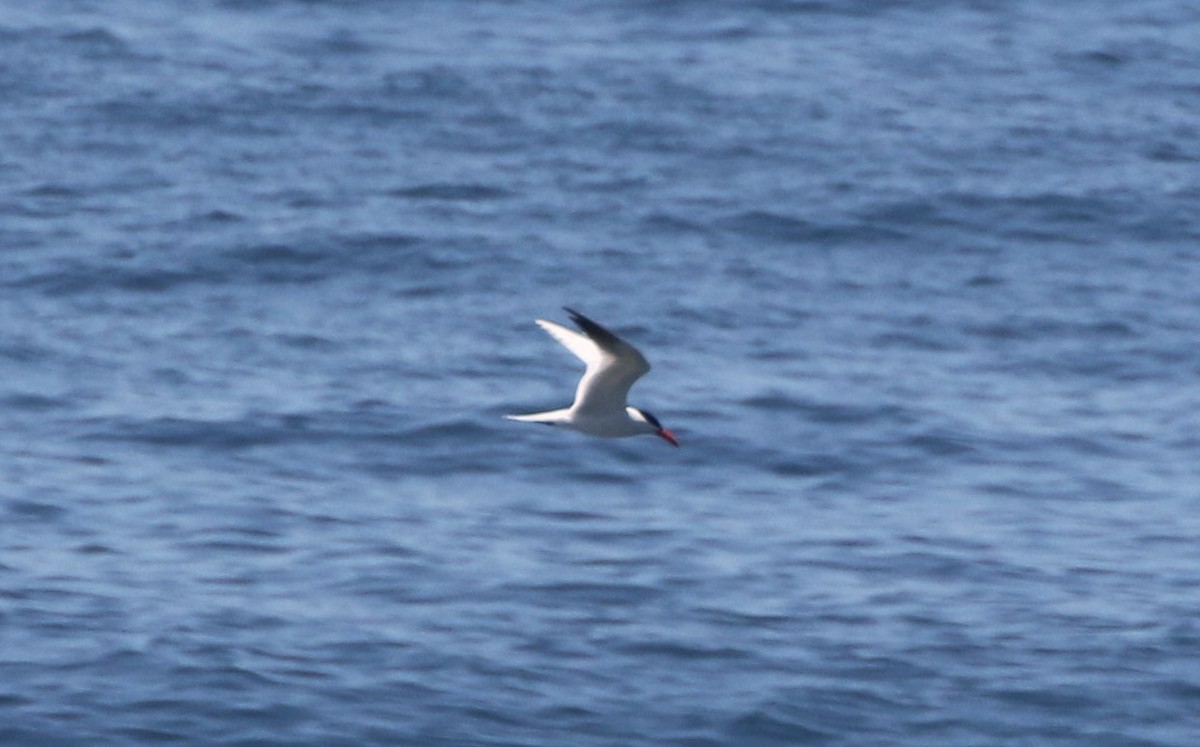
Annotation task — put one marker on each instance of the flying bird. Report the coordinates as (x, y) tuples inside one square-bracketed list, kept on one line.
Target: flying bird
[(613, 365)]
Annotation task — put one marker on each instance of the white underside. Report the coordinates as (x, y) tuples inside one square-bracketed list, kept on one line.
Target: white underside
[(616, 425)]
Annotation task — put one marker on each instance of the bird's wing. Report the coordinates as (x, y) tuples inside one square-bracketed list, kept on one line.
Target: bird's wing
[(612, 368), (583, 348)]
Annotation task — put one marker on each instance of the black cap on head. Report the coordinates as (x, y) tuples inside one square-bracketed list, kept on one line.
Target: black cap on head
[(650, 418)]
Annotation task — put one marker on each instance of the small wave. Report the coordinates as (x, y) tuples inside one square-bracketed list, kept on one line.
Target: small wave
[(565, 515), (940, 443), (437, 81), (269, 429), (744, 620), (830, 413), (682, 652), (32, 403), (34, 511), (334, 42), (271, 263), (223, 216), (276, 255), (786, 229), (209, 434), (670, 224), (1047, 216), (99, 44), (912, 341), (984, 280), (763, 727), (11, 700), (93, 548), (768, 225), (307, 342), (595, 593), (451, 430), (453, 192), (77, 278), (55, 192), (231, 545), (361, 252), (790, 466), (1036, 327)]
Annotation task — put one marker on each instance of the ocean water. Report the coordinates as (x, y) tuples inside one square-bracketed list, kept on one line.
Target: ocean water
[(919, 279)]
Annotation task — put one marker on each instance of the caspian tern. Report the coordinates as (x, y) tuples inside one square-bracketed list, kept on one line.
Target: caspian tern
[(612, 367)]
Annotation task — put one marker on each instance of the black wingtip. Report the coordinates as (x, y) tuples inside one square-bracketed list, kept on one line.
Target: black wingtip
[(578, 318), (600, 334), (593, 330)]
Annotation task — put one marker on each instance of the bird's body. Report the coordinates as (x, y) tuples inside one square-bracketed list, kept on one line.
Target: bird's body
[(613, 365)]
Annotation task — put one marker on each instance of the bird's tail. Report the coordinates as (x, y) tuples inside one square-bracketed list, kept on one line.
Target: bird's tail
[(550, 417)]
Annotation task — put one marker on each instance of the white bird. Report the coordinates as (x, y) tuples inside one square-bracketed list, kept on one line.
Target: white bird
[(612, 367)]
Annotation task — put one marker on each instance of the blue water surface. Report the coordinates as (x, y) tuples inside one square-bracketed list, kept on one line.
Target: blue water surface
[(920, 282)]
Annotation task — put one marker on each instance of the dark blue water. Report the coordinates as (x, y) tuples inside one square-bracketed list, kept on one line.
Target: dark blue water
[(920, 282)]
